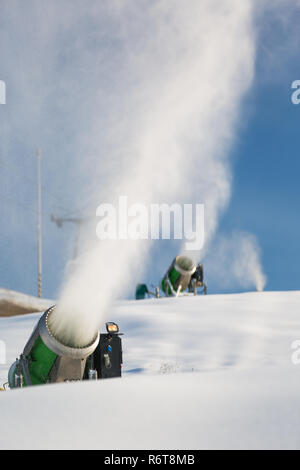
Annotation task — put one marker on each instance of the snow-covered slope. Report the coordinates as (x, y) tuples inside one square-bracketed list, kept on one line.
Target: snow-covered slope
[(15, 303), (199, 372)]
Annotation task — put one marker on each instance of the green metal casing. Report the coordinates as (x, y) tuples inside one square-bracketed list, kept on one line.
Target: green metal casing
[(41, 360), (173, 277)]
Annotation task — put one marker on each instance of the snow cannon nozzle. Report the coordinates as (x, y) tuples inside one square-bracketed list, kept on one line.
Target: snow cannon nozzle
[(178, 276), (58, 344)]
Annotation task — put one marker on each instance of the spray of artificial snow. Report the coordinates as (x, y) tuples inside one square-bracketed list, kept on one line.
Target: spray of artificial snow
[(161, 129), (236, 261), (247, 267)]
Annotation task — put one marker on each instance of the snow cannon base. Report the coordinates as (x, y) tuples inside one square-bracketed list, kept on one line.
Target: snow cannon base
[(107, 358)]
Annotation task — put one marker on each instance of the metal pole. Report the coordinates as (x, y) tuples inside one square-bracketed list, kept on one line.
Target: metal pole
[(39, 224), (79, 221)]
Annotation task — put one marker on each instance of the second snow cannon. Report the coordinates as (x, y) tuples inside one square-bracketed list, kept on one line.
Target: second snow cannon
[(45, 359), (182, 278), (178, 276)]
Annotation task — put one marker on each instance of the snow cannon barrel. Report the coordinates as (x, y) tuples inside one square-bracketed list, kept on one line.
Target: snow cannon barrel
[(45, 359), (178, 276)]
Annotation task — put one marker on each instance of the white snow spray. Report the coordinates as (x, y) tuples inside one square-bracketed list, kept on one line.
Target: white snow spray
[(172, 108), (247, 266), (236, 260)]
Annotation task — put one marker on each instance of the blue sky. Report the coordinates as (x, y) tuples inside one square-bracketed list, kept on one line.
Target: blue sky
[(265, 192), (266, 187)]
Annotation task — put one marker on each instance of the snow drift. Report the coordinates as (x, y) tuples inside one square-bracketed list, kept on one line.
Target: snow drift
[(199, 372)]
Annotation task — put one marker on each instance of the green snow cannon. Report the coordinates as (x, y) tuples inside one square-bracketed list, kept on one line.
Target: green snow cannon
[(178, 276), (141, 291), (47, 360)]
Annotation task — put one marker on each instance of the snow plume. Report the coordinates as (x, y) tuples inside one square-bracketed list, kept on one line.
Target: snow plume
[(161, 132), (247, 266), (134, 98), (235, 261)]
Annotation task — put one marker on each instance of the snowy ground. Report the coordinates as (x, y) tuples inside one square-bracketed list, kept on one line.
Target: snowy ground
[(16, 303), (199, 372)]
